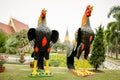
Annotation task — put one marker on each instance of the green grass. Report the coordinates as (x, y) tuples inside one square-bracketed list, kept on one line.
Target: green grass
[(60, 60), (20, 72)]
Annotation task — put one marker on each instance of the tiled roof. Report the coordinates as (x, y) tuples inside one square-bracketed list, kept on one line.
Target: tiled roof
[(18, 26), (6, 28), (13, 26)]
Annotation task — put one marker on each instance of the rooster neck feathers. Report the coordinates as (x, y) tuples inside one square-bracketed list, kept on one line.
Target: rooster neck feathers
[(85, 26), (42, 26), (87, 14), (42, 18), (85, 21)]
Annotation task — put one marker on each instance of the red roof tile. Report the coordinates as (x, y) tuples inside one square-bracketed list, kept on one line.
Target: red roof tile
[(6, 28), (19, 25)]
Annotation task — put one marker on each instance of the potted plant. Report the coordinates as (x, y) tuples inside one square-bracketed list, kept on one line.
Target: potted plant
[(3, 60), (22, 59), (31, 64)]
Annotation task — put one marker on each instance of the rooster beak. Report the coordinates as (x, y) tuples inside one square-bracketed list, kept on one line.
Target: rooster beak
[(91, 8), (44, 11)]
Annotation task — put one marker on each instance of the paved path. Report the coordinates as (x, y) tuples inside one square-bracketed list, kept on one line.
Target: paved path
[(109, 64), (28, 59)]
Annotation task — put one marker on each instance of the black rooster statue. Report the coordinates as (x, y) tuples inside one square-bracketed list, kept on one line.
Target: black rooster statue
[(43, 39), (83, 39)]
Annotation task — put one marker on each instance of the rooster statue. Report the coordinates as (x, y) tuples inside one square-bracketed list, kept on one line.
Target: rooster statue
[(83, 39), (43, 38)]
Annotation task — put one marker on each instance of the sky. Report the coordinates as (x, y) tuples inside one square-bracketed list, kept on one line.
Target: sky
[(61, 14)]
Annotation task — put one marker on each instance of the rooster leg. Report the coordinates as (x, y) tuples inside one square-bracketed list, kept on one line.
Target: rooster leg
[(77, 71), (47, 71), (35, 68), (85, 71)]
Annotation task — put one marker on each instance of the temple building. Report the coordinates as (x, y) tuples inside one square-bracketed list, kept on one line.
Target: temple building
[(66, 40), (13, 26)]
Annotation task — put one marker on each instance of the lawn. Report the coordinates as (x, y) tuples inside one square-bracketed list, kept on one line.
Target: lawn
[(60, 60), (20, 72)]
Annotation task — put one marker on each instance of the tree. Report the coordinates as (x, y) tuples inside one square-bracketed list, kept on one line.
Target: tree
[(15, 41), (112, 33), (3, 38), (22, 38), (55, 46), (114, 10), (59, 46), (98, 52), (108, 45), (11, 45)]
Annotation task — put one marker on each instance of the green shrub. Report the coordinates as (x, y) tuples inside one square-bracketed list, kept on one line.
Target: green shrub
[(3, 38), (54, 63), (58, 60)]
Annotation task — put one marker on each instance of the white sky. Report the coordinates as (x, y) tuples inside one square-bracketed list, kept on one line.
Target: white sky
[(60, 13)]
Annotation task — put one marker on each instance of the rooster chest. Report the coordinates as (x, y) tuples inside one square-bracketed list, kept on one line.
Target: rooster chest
[(85, 34), (43, 36)]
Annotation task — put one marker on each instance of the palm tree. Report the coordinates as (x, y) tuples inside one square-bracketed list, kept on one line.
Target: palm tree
[(15, 41), (114, 10), (11, 45), (108, 40), (113, 28)]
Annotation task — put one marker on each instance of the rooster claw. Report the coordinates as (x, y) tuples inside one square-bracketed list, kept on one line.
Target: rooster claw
[(46, 74), (79, 73), (89, 73), (34, 75)]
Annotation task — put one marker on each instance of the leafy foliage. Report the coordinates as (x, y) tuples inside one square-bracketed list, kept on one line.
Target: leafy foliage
[(11, 45), (114, 9), (98, 52), (22, 38), (15, 41), (58, 60), (59, 46), (3, 38), (112, 33), (3, 60)]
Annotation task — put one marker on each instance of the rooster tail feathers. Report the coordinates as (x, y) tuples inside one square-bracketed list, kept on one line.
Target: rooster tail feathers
[(31, 34), (55, 36), (79, 35)]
